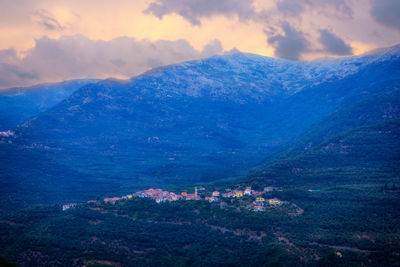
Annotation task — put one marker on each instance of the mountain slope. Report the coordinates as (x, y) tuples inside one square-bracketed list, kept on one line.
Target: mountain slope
[(19, 104), (357, 144), (194, 122), (369, 110)]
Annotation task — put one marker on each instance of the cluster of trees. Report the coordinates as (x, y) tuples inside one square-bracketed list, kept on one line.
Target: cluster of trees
[(361, 221)]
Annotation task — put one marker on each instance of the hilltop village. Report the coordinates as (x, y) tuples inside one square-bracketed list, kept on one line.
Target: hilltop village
[(256, 201)]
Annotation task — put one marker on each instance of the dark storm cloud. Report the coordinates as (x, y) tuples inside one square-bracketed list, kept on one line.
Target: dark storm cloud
[(47, 20), (289, 45), (334, 44), (386, 12), (195, 10)]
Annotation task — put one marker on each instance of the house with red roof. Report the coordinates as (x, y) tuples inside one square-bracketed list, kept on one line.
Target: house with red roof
[(215, 194), (68, 206)]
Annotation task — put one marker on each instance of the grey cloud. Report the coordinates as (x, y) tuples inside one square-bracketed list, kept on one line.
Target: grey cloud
[(289, 45), (334, 44), (290, 7), (336, 8), (214, 47), (76, 56), (386, 12), (12, 75), (47, 20), (195, 10), (341, 6)]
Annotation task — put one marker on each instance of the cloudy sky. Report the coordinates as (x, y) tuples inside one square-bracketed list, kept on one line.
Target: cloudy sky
[(54, 40)]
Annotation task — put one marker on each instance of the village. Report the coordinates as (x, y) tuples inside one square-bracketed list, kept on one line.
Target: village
[(258, 202)]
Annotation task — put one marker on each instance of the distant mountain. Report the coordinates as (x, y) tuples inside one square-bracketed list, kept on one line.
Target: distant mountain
[(19, 104), (195, 122)]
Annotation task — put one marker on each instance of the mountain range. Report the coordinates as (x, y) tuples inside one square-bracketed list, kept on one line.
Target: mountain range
[(217, 119)]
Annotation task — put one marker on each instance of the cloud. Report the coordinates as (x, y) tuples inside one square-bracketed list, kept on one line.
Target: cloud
[(290, 7), (195, 10), (212, 48), (342, 8), (332, 8), (47, 20), (334, 44), (386, 12), (289, 45), (77, 56)]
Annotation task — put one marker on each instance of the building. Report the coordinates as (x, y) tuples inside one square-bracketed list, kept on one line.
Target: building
[(68, 206), (111, 200), (92, 201), (259, 208), (274, 201), (212, 199), (314, 190), (239, 193), (247, 191), (215, 194), (229, 195), (260, 199), (268, 189), (159, 200), (192, 197)]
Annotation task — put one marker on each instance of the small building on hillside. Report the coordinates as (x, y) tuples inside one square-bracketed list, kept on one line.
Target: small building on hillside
[(68, 206), (159, 199), (229, 195), (260, 199), (111, 200), (247, 191), (239, 194), (274, 201), (212, 199), (259, 208), (215, 194), (268, 189), (314, 190)]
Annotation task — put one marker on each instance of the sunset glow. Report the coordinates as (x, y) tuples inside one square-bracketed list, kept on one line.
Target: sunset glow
[(276, 28)]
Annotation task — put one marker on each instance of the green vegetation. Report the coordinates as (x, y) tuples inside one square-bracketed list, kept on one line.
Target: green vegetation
[(5, 263), (348, 219)]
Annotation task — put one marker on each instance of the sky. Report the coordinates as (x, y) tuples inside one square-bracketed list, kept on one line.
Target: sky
[(54, 40)]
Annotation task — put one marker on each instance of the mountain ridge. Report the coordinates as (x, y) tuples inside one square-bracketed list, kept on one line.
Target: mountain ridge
[(168, 127)]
